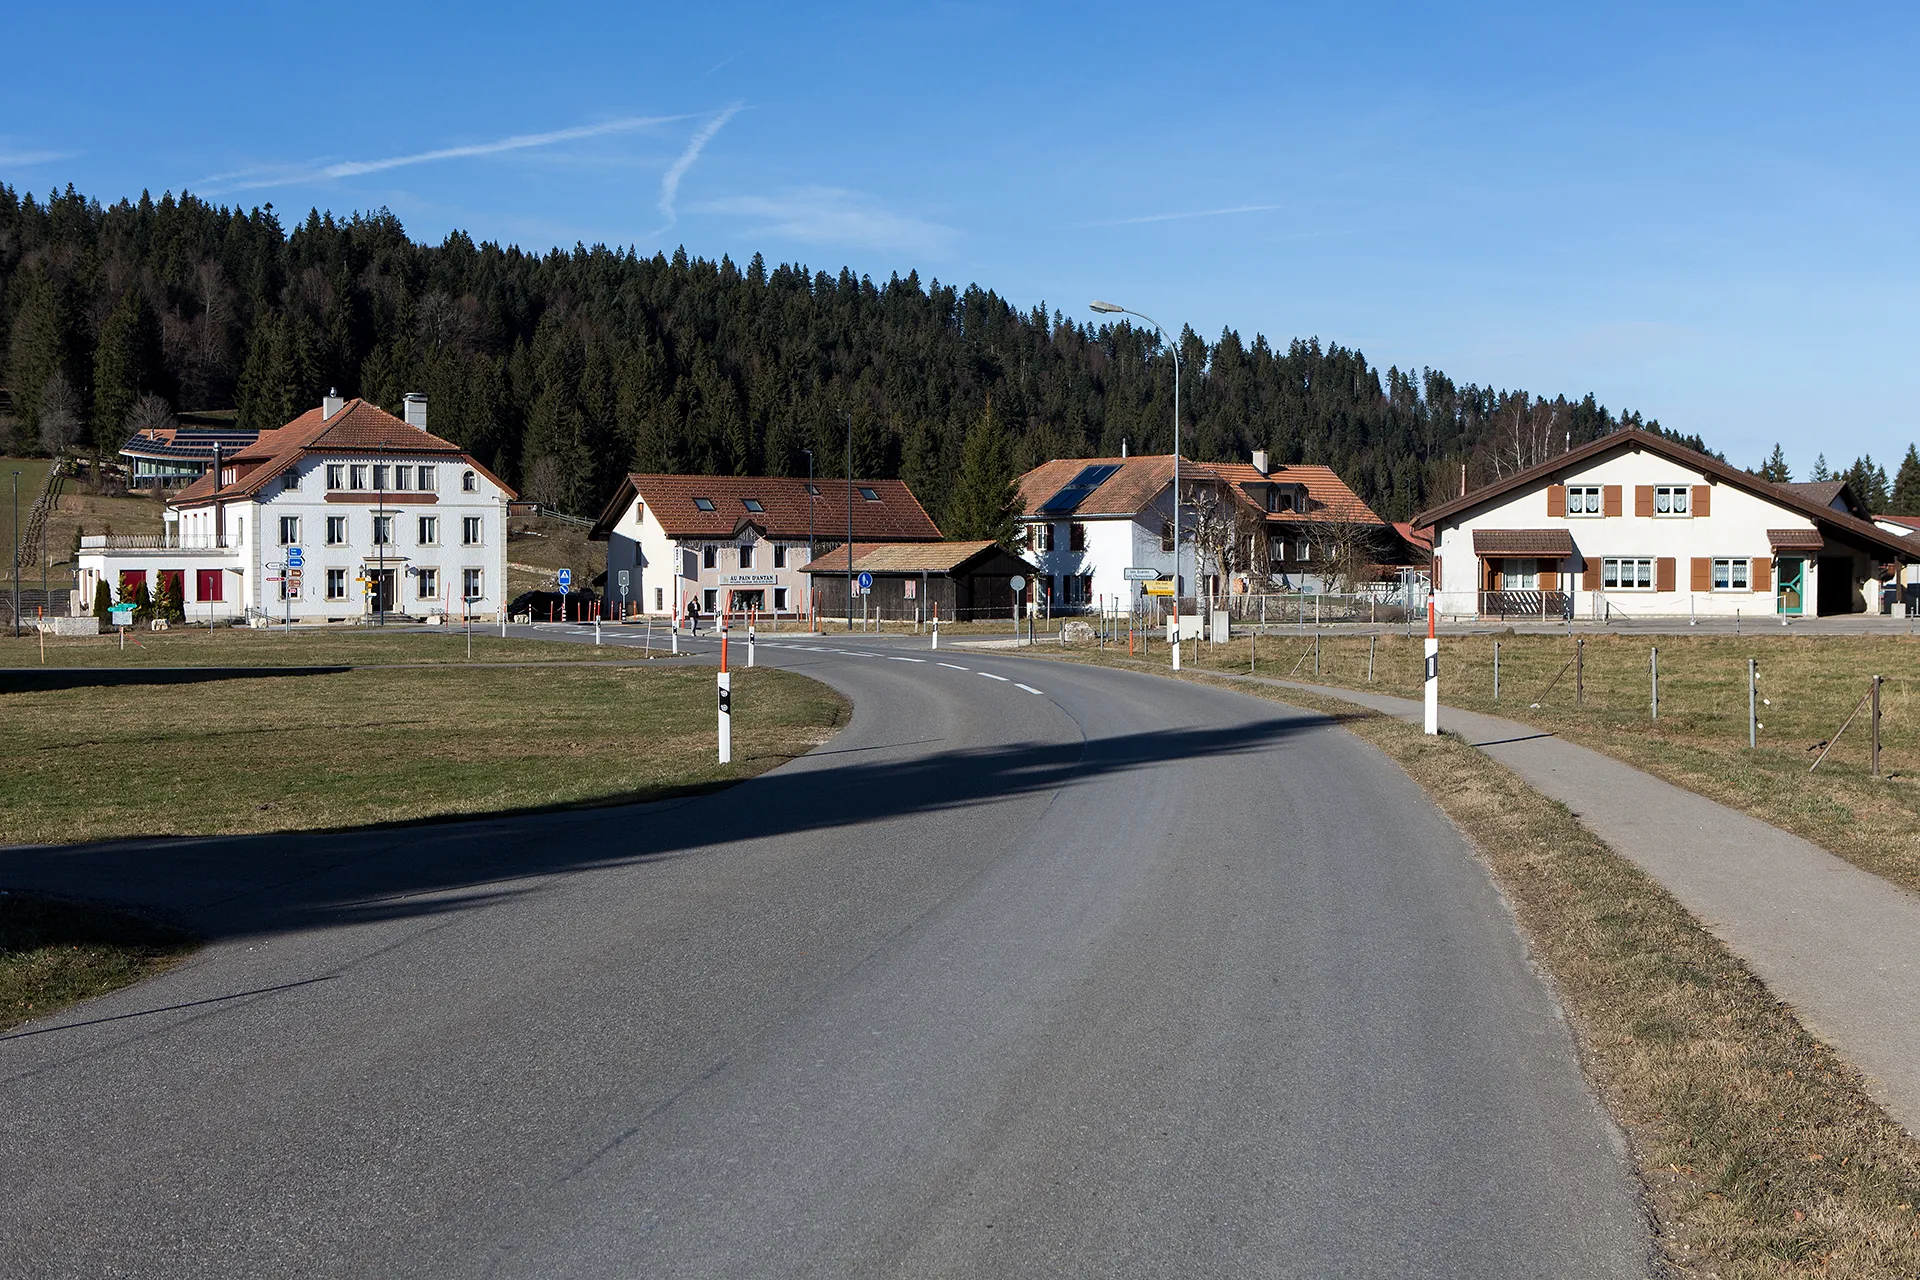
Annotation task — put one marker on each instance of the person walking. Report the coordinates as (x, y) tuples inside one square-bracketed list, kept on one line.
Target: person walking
[(693, 616)]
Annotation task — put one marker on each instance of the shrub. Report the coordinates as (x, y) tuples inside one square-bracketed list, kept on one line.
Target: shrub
[(103, 602)]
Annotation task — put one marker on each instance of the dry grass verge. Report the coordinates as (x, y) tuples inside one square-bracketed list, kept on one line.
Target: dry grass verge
[(1761, 1152), (54, 953)]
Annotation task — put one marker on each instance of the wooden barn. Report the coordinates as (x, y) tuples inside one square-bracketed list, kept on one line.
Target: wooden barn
[(912, 581)]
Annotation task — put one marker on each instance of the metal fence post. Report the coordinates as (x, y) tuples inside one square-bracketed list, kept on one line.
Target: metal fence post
[(1753, 693), (1653, 665), (1496, 671), (1580, 672), (1371, 641), (1876, 726), (1316, 654)]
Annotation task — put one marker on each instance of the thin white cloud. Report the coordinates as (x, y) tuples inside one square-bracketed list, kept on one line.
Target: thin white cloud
[(318, 171), (1180, 217), (22, 159), (834, 216), (670, 180)]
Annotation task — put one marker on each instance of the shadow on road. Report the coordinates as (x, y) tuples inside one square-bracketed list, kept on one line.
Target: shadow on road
[(231, 886)]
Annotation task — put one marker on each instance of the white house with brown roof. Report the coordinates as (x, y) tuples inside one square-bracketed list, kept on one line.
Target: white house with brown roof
[(1634, 525), (738, 544), (385, 516), (1088, 520)]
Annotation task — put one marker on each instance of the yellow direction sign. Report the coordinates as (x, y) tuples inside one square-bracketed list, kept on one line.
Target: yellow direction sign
[(1159, 587)]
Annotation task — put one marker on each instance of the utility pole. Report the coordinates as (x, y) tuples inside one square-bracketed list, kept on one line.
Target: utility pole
[(849, 416), (810, 501), (16, 553)]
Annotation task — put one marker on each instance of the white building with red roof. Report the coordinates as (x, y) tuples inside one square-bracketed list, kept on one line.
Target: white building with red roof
[(381, 516), (738, 544)]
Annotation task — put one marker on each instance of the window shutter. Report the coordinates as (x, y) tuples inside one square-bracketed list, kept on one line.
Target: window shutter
[(1643, 499), (1762, 573), (1702, 574), (1664, 574), (1610, 498), (1556, 500), (1549, 580), (1702, 500), (1590, 576)]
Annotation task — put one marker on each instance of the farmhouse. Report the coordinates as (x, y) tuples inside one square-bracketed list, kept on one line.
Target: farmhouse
[(737, 544), (919, 581), (385, 517), (1634, 525)]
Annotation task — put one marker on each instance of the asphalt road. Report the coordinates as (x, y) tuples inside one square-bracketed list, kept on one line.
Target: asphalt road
[(1107, 976)]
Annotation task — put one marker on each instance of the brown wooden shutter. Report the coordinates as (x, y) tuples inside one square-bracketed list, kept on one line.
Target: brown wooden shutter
[(1763, 573), (1556, 500), (1549, 580), (1436, 573), (1590, 575), (1643, 499), (1610, 498), (1702, 574), (1664, 575), (1702, 500)]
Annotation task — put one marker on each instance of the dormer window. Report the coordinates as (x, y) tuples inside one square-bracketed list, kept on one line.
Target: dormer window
[(703, 504), (752, 504), (1286, 498)]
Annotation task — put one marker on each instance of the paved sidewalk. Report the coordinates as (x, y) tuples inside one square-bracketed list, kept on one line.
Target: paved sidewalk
[(1840, 945)]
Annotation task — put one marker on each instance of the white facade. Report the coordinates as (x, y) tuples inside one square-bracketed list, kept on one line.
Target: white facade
[(445, 541), (1703, 549), (1094, 575), (732, 574)]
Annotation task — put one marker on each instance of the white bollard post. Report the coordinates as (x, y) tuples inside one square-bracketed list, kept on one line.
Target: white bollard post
[(1433, 675), (936, 626), (596, 633), (750, 639), (726, 717), (676, 642)]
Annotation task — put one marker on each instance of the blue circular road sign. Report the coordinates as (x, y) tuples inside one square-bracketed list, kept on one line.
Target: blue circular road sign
[(866, 582)]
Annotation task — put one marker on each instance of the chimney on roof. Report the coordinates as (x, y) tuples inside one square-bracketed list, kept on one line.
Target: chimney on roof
[(1123, 448), (1260, 462), (332, 403), (415, 409)]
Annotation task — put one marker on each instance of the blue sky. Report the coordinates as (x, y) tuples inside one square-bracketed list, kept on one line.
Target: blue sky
[(1706, 213)]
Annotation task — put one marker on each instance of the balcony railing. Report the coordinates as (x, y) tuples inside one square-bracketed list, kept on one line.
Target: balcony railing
[(1526, 604), (156, 542)]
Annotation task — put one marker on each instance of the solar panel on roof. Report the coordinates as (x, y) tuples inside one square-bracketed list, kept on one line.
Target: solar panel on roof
[(1078, 490)]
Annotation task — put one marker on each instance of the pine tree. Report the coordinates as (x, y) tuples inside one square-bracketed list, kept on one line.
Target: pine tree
[(1868, 480), (142, 601), (984, 497), (45, 344), (1905, 499), (1775, 469), (167, 602), (1820, 471), (126, 363)]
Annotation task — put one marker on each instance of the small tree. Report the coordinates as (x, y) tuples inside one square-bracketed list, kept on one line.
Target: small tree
[(1775, 468), (103, 602), (141, 600), (59, 415), (168, 603)]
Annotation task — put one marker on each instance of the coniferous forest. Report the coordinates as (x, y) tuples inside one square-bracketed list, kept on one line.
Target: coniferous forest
[(565, 369)]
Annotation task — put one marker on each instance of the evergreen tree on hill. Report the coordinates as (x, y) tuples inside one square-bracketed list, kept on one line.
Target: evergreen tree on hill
[(1775, 469), (1820, 471), (1905, 499), (1869, 482), (126, 364), (984, 497)]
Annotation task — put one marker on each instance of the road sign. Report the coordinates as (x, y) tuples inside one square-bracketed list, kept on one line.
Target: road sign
[(623, 582), (866, 583), (566, 579), (1140, 575), (689, 563), (1158, 588), (1018, 583), (295, 557)]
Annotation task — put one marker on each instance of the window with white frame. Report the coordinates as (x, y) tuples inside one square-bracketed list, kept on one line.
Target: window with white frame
[(779, 597), (469, 482), (1732, 575), (336, 584), (424, 478), (1627, 573), (1040, 537), (1671, 499), (472, 584), (289, 531), (336, 531), (429, 531), (336, 475), (709, 557), (402, 478), (429, 580), (1583, 499), (1519, 575), (357, 476), (382, 531), (470, 531), (289, 480)]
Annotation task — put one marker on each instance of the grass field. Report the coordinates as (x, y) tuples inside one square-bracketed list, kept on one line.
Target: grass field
[(53, 953), (1700, 739), (243, 646), (383, 745)]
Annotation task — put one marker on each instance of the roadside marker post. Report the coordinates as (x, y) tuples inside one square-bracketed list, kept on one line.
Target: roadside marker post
[(1433, 674), (726, 702), (750, 639), (936, 626)]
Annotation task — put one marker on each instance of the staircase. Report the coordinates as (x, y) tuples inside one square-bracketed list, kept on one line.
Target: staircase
[(33, 537)]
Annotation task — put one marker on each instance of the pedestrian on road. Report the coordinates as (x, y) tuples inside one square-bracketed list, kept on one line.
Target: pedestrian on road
[(693, 615)]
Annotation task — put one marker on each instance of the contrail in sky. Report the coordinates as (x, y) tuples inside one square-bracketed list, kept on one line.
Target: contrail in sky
[(670, 181)]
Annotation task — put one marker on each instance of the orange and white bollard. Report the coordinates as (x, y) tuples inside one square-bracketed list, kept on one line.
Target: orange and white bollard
[(1433, 673)]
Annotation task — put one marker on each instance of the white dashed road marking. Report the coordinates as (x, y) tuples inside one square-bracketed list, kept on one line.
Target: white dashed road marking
[(949, 666), (1002, 679), (1029, 688)]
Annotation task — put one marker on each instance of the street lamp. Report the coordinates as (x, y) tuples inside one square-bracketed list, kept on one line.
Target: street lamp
[(1114, 308), (810, 497)]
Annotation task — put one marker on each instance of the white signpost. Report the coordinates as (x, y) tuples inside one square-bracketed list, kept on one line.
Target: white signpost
[(1433, 675), (1018, 584), (623, 595)]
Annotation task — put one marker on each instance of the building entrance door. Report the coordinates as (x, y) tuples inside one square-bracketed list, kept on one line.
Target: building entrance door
[(1834, 590), (1792, 597), (380, 583)]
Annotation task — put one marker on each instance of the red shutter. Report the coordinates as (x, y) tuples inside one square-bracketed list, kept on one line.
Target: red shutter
[(1590, 575), (1665, 574), (1762, 573), (1556, 500), (1702, 574)]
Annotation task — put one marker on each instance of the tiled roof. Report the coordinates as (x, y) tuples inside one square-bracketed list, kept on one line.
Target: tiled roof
[(1135, 483), (1821, 491), (1328, 497), (1907, 522), (1420, 538), (357, 427), (1796, 539), (902, 557), (1557, 543), (894, 515)]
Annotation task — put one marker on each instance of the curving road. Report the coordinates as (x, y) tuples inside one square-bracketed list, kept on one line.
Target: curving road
[(1108, 975)]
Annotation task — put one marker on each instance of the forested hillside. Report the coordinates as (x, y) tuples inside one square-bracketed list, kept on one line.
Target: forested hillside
[(564, 369)]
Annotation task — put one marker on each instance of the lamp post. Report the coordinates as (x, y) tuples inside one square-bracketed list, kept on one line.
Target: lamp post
[(16, 553), (849, 414), (810, 501), (1114, 308)]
